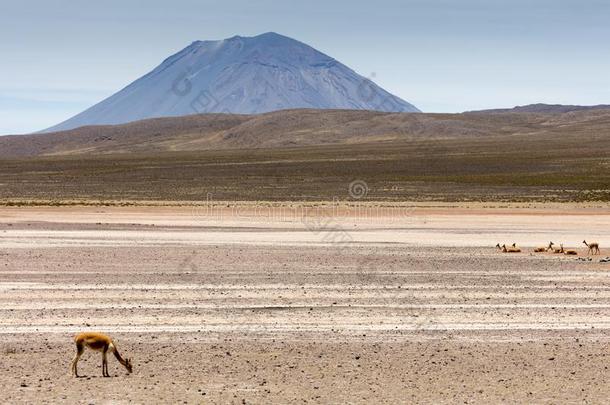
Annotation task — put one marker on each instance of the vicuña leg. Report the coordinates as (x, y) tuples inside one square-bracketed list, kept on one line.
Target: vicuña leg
[(105, 363), (79, 352)]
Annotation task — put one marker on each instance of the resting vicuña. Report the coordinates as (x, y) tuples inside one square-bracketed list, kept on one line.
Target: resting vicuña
[(569, 252), (512, 249), (101, 343), (553, 249), (540, 249)]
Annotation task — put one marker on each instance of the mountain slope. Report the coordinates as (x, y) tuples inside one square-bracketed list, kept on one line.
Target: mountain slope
[(315, 156), (547, 109), (302, 128), (240, 75)]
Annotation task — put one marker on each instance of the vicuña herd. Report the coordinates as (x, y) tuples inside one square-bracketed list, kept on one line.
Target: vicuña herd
[(104, 344), (593, 249)]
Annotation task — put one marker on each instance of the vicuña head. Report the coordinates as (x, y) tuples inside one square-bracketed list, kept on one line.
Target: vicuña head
[(101, 343)]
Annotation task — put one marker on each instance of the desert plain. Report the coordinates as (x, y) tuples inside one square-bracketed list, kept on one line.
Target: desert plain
[(302, 303)]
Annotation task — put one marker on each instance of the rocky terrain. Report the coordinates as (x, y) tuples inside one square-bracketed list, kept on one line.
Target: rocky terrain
[(223, 306)]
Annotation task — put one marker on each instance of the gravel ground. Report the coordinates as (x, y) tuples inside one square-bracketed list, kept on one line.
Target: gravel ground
[(258, 311)]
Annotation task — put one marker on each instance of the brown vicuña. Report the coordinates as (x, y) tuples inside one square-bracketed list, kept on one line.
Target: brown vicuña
[(511, 249), (593, 247), (101, 343), (569, 252)]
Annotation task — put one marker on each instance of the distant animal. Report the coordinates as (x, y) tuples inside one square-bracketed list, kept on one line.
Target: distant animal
[(593, 247), (569, 252), (499, 247), (101, 343), (553, 249), (550, 246), (512, 249), (540, 249)]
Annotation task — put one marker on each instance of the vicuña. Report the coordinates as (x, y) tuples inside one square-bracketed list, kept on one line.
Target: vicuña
[(101, 343)]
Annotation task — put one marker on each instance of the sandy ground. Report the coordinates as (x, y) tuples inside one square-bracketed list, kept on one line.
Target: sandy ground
[(411, 306)]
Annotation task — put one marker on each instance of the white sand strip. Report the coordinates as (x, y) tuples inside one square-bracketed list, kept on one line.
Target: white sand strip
[(336, 327)]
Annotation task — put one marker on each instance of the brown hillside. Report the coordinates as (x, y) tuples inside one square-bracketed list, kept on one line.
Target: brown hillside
[(296, 128)]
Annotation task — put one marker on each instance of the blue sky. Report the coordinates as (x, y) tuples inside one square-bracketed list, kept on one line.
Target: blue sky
[(60, 57)]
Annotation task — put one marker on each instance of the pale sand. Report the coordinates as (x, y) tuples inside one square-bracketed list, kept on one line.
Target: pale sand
[(304, 226), (242, 307)]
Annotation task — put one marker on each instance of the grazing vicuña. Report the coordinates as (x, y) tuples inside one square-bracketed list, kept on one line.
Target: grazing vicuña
[(101, 343)]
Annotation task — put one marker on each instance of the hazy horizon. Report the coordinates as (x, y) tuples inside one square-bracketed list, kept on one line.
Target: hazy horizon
[(438, 55)]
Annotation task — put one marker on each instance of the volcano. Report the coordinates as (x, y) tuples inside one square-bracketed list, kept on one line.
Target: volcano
[(240, 75)]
